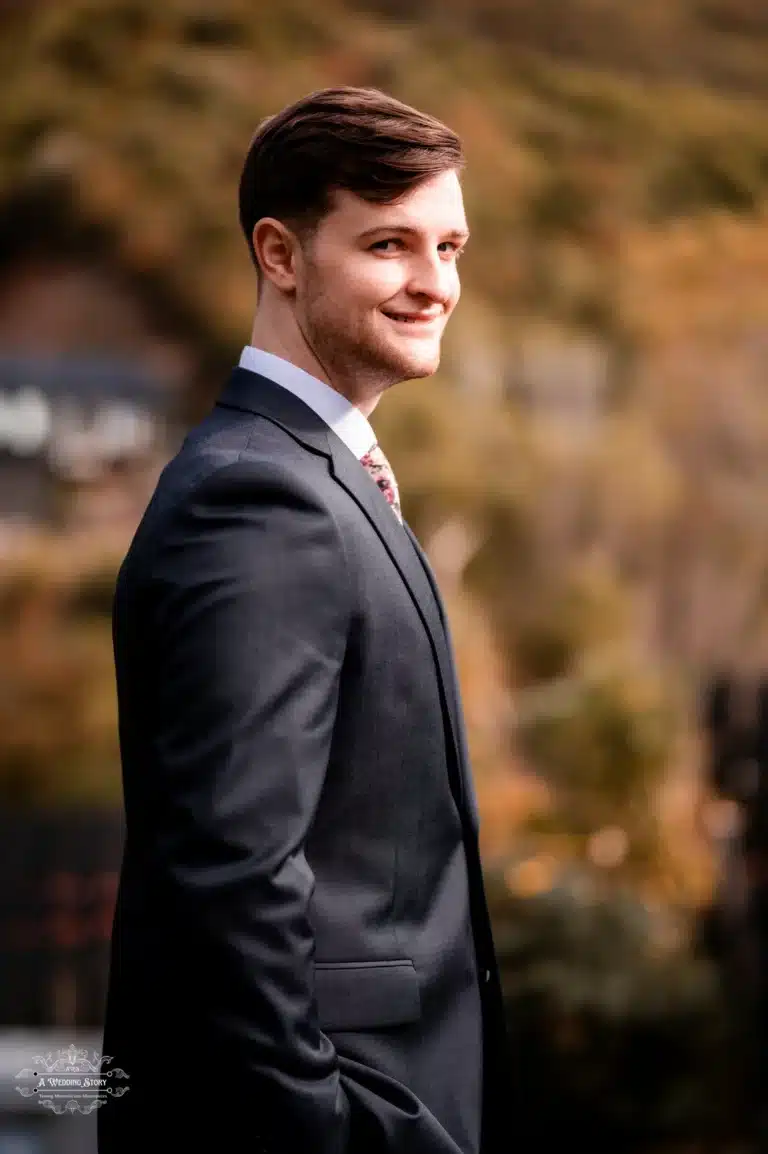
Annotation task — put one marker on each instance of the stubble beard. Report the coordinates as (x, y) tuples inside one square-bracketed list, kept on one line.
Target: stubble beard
[(361, 359)]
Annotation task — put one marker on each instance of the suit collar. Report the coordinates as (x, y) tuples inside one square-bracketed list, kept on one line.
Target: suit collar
[(254, 393), (344, 418)]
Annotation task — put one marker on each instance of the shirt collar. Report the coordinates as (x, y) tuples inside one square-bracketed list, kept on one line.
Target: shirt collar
[(347, 422)]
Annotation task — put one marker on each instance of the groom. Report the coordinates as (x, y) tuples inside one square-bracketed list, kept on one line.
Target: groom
[(301, 951)]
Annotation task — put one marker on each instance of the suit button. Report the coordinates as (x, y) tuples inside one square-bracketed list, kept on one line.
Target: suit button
[(486, 975)]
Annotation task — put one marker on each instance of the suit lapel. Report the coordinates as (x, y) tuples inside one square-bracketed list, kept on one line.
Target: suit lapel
[(464, 761), (399, 544), (253, 393)]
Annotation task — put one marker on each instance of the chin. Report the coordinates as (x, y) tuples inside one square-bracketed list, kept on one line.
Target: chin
[(412, 367), (402, 364), (425, 368)]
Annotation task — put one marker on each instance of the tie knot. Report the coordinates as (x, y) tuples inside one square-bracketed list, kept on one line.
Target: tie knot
[(380, 470)]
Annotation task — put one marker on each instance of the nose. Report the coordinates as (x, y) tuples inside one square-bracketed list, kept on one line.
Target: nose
[(434, 278)]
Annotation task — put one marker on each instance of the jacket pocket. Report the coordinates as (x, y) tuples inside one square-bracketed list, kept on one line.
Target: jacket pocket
[(361, 995)]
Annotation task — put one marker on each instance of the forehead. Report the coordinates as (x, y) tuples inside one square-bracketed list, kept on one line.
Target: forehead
[(435, 205)]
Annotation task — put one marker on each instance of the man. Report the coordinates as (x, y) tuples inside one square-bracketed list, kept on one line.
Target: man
[(301, 949)]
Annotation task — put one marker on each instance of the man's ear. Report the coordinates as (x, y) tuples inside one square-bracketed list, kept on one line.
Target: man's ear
[(276, 246)]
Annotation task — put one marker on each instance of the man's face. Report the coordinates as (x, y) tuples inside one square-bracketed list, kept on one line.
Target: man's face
[(377, 284)]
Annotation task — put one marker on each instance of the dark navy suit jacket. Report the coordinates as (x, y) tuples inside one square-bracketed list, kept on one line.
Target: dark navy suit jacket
[(301, 951)]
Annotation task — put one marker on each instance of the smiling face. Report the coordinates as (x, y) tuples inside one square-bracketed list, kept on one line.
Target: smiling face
[(376, 283)]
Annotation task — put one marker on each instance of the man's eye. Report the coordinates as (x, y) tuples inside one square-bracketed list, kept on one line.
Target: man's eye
[(389, 240), (381, 246)]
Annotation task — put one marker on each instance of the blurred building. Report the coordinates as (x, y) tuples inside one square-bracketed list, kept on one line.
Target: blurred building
[(80, 437), (93, 376)]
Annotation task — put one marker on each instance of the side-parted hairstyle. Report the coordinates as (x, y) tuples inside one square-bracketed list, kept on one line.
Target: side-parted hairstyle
[(357, 139)]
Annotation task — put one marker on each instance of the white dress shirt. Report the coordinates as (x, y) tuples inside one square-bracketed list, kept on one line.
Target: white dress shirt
[(341, 415)]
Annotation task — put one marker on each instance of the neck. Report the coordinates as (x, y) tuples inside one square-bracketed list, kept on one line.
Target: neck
[(276, 331)]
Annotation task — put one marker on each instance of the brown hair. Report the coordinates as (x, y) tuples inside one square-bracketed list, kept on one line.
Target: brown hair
[(357, 139)]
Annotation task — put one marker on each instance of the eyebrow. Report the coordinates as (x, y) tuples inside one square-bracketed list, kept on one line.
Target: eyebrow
[(453, 233)]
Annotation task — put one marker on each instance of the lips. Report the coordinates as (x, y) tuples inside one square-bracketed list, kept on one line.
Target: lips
[(411, 318)]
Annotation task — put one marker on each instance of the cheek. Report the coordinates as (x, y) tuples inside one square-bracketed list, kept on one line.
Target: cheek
[(373, 281), (345, 283)]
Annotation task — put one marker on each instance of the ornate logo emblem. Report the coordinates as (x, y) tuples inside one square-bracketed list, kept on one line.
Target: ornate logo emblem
[(69, 1081)]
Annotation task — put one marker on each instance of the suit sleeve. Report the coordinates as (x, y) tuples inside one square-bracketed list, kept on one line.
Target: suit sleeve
[(250, 614)]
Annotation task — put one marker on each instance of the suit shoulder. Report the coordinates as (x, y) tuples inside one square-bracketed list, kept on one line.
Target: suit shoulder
[(219, 456), (212, 482)]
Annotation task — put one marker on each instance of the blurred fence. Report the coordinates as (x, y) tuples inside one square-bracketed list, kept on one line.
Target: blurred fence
[(58, 883)]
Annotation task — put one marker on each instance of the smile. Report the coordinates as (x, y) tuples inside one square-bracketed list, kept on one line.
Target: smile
[(406, 319)]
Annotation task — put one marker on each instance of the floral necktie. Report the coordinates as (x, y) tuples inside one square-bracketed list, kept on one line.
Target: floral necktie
[(380, 469)]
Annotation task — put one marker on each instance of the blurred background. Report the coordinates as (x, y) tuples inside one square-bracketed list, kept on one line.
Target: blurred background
[(588, 473)]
